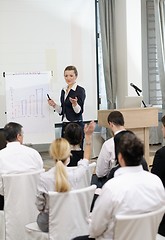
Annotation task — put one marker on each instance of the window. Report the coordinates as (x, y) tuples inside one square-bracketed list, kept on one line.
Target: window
[(155, 95), (102, 90)]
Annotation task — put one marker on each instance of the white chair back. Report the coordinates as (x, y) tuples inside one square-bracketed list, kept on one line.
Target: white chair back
[(2, 226), (68, 215), (19, 205), (138, 227), (160, 237)]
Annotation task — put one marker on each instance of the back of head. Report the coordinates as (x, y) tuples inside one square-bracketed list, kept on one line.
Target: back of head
[(11, 131), (131, 148), (116, 118), (60, 149), (73, 133), (60, 152), (117, 140)]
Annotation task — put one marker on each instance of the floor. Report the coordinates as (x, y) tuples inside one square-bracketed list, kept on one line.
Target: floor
[(48, 162)]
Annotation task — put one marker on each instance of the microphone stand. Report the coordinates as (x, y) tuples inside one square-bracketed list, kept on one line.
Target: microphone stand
[(139, 95)]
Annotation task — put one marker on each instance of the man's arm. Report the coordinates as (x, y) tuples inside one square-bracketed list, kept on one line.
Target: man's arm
[(101, 214), (105, 158)]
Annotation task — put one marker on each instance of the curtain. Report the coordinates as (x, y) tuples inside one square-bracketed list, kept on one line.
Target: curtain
[(160, 39), (107, 28)]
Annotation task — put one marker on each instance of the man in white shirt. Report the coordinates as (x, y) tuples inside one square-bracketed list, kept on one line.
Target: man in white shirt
[(107, 159), (131, 191), (15, 157)]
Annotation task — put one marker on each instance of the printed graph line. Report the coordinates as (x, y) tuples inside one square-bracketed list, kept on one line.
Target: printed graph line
[(31, 105)]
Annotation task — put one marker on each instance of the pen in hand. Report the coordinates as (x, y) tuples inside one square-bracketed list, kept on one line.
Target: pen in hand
[(48, 97)]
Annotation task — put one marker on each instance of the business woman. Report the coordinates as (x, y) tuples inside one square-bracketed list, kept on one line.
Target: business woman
[(72, 100)]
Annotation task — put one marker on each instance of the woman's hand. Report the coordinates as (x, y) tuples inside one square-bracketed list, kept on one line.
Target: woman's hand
[(51, 103), (73, 101), (89, 129)]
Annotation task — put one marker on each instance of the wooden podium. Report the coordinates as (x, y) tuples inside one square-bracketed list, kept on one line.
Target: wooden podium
[(137, 120)]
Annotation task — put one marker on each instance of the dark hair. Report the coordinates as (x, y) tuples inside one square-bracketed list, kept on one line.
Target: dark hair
[(2, 139), (116, 117), (117, 140), (11, 130), (73, 133), (69, 68), (131, 148), (163, 120)]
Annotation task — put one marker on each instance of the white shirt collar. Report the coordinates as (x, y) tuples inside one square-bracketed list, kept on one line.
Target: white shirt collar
[(73, 87), (15, 143), (119, 131), (128, 169)]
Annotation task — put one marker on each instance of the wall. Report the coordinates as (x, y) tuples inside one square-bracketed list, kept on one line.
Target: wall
[(39, 35)]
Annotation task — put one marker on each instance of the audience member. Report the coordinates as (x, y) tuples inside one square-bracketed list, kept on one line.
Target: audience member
[(158, 168), (15, 157), (73, 133), (113, 170), (2, 145), (106, 159), (61, 178), (2, 139), (129, 192), (116, 142)]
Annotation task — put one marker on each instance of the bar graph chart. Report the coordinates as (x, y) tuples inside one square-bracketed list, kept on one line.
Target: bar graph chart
[(31, 104), (26, 103)]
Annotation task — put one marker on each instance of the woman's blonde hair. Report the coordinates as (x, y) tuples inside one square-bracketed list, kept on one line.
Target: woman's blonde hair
[(60, 152)]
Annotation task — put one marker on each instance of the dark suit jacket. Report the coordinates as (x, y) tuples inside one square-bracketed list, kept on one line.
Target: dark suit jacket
[(67, 106), (158, 168)]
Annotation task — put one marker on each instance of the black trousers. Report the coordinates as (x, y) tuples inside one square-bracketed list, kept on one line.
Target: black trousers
[(1, 202)]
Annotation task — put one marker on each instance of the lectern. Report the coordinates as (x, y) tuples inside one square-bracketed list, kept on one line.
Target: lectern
[(137, 120)]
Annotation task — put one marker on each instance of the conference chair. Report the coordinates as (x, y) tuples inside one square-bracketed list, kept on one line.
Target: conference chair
[(160, 237), (68, 215), (138, 227), (2, 226), (19, 203), (86, 179)]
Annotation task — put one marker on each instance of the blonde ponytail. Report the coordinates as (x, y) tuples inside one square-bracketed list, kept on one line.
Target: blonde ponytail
[(60, 151), (62, 183)]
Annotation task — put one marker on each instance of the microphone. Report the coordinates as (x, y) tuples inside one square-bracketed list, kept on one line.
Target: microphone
[(135, 87)]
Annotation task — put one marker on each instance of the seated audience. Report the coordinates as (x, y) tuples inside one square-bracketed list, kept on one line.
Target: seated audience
[(15, 157), (131, 191), (106, 159), (61, 178), (116, 142), (158, 168), (73, 133), (112, 171), (2, 145)]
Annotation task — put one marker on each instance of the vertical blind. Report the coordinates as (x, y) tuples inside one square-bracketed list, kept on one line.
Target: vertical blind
[(155, 95)]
